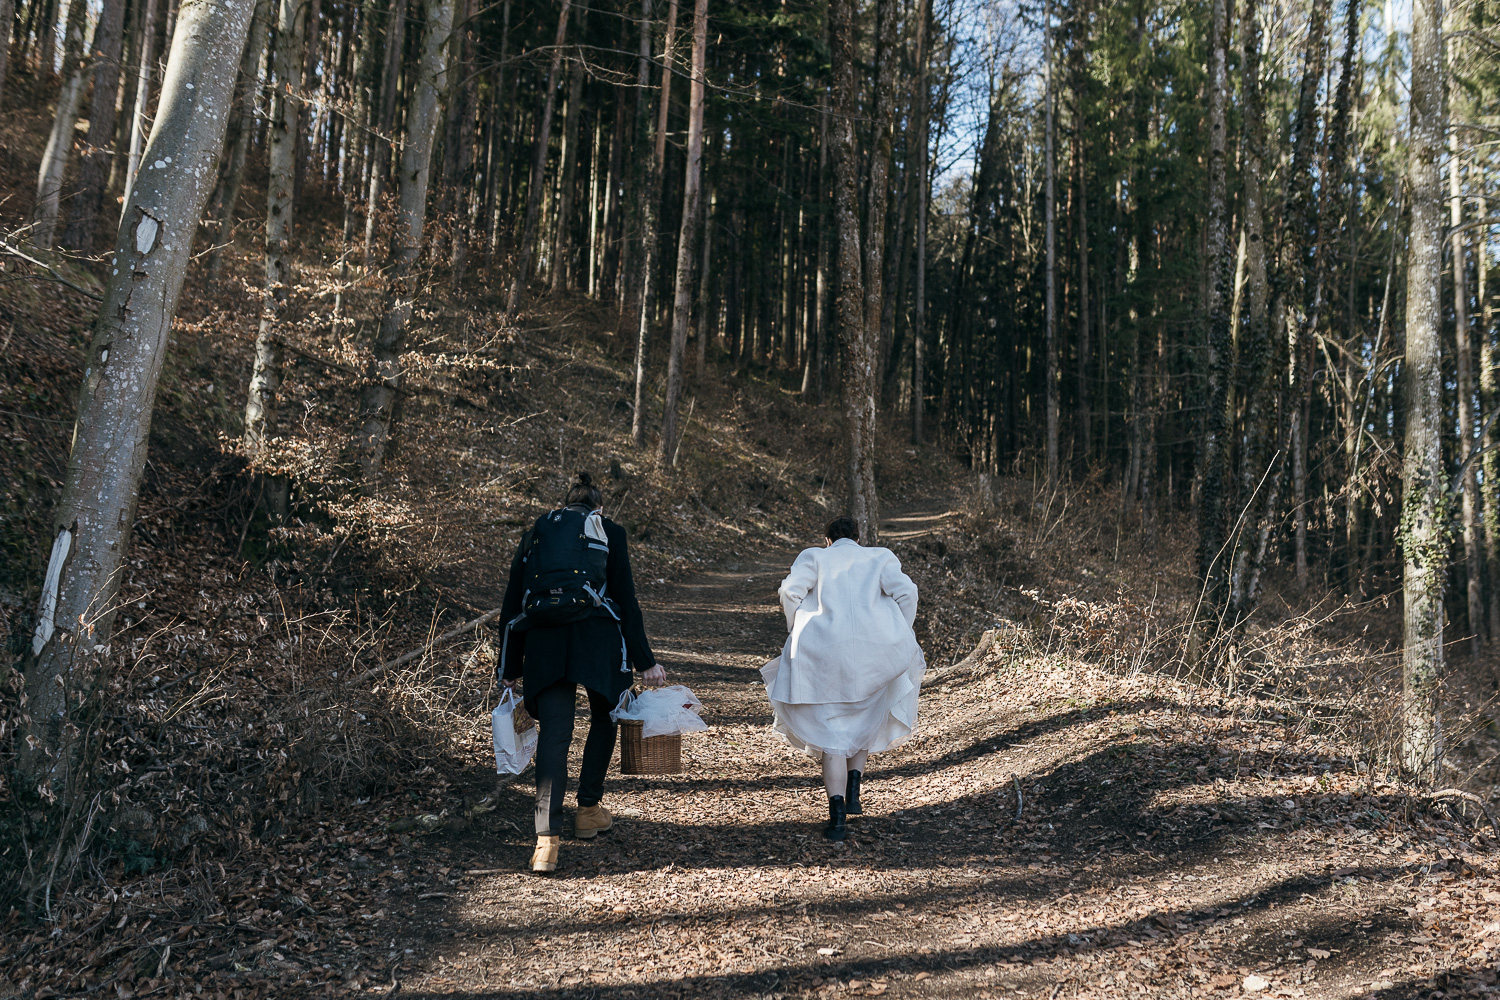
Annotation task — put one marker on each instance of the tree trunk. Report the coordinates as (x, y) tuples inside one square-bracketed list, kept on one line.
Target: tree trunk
[(281, 182), (384, 374), (561, 241), (395, 44), (243, 131), (1212, 511), (919, 292), (1424, 510), (682, 307), (1255, 339), (7, 15), (1489, 394), (650, 238), (142, 99), (461, 178), (882, 124), (49, 176), (109, 39), (93, 520), (1469, 484), (1052, 374), (538, 167), (857, 354)]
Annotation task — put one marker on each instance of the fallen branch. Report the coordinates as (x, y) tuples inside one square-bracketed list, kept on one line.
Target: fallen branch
[(973, 659), (426, 647), (56, 274), (1459, 793), (1020, 802)]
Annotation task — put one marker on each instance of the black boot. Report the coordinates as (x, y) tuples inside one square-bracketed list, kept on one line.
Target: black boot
[(836, 829), (854, 808)]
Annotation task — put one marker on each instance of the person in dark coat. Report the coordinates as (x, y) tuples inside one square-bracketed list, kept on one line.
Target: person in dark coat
[(549, 662)]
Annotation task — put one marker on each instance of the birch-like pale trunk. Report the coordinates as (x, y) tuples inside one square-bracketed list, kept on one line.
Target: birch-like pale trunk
[(1469, 485), (142, 97), (1212, 510), (281, 184), (49, 175), (1255, 337), (857, 382), (243, 131), (383, 384), (1053, 371), (93, 520), (537, 186), (93, 174), (1424, 504), (692, 190), (395, 44)]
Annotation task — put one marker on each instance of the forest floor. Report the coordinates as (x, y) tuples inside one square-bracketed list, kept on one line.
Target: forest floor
[(1168, 842)]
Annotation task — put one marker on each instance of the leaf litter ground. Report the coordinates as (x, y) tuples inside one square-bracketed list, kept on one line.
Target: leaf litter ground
[(1170, 843)]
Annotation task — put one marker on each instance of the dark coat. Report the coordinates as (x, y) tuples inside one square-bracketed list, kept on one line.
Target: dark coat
[(588, 652)]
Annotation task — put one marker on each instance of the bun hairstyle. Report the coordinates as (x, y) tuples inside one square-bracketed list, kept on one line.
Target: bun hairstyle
[(584, 492), (841, 527)]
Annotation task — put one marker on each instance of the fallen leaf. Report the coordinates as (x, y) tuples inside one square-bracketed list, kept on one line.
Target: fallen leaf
[(1318, 953), (1255, 984), (829, 951)]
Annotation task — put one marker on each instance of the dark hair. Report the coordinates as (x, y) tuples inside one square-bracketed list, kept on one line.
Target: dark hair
[(584, 492), (841, 527)]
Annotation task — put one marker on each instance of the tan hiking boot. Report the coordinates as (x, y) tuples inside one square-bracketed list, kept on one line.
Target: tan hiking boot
[(591, 821), (544, 858)]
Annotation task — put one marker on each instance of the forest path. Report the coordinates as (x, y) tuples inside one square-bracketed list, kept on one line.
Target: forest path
[(1137, 867)]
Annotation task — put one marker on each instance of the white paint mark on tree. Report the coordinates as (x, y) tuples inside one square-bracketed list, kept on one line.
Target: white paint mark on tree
[(145, 234), (61, 546)]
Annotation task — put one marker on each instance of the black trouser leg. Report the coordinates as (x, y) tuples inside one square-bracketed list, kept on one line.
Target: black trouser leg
[(597, 750), (554, 707)]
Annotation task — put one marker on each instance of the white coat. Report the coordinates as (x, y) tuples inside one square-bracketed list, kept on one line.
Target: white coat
[(849, 674)]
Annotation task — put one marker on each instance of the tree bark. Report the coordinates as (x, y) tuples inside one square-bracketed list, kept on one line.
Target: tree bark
[(7, 15), (1489, 394), (242, 131), (109, 39), (395, 44), (538, 167), (919, 291), (857, 381), (561, 241), (384, 375), (281, 182), (1212, 511), (49, 176), (1424, 513), (650, 238), (882, 124), (1255, 339), (1053, 372), (461, 178), (682, 307), (142, 98), (1469, 484), (93, 520)]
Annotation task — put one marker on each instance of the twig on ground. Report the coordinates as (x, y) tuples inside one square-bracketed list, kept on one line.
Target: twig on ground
[(1458, 793), (426, 647), (1020, 802)]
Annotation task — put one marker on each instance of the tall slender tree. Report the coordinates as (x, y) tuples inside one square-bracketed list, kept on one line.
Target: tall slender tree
[(93, 520), (1425, 495)]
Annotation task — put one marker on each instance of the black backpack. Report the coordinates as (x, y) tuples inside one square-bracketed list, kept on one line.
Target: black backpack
[(565, 556)]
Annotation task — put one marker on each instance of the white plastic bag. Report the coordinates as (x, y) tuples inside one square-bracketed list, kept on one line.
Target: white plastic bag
[(661, 711), (515, 734)]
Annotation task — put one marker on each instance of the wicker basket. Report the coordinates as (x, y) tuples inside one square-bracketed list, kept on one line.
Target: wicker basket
[(658, 755)]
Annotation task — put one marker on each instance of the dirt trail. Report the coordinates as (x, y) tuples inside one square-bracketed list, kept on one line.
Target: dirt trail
[(1162, 849)]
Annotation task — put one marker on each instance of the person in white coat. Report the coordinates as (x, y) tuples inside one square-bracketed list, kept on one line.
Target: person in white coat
[(846, 683)]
